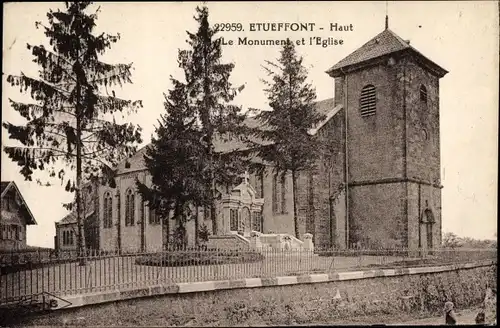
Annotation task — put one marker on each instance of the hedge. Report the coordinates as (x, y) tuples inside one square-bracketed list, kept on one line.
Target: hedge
[(197, 257)]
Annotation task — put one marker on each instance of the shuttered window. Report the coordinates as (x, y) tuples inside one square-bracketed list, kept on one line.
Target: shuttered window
[(368, 101)]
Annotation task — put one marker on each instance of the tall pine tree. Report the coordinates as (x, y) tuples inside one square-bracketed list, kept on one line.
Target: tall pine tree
[(211, 92), (182, 159), (174, 160), (289, 145), (71, 122)]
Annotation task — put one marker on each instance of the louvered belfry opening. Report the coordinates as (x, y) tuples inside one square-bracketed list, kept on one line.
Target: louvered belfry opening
[(368, 101)]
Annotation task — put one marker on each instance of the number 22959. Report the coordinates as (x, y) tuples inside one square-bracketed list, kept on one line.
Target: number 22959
[(228, 27)]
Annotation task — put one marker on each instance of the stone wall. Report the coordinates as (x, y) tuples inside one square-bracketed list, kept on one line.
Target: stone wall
[(422, 124), (377, 216), (376, 142), (289, 300)]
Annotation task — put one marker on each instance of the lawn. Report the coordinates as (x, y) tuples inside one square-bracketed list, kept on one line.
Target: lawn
[(111, 273)]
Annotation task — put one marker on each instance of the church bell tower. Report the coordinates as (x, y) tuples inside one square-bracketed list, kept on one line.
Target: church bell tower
[(390, 93)]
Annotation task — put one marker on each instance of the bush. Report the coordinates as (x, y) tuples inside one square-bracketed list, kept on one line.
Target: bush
[(31, 260), (199, 257), (363, 252)]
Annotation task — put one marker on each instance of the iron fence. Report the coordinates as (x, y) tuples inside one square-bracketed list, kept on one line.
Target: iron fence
[(63, 273)]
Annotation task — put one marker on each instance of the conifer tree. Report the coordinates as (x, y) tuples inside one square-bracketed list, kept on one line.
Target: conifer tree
[(174, 161), (288, 144), (71, 122), (211, 92), (182, 159)]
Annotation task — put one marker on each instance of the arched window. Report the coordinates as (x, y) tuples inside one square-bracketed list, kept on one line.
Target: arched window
[(279, 194), (153, 217), (257, 221), (423, 94), (108, 210), (68, 237), (129, 207), (233, 219), (368, 100)]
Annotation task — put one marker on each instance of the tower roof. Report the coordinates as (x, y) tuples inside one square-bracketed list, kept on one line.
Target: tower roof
[(385, 43)]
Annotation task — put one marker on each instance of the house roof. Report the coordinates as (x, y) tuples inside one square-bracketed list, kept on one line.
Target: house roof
[(89, 206), (136, 162), (385, 43), (4, 185), (9, 185)]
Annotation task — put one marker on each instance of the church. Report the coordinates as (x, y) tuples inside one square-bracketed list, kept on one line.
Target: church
[(377, 186)]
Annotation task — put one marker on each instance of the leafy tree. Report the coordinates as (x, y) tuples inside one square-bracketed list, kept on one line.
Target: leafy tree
[(451, 240), (71, 122), (210, 93), (287, 139)]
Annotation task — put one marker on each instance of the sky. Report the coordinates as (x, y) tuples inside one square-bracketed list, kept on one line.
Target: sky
[(460, 36)]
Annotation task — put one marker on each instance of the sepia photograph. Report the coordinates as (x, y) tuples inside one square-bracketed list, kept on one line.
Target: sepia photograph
[(260, 163)]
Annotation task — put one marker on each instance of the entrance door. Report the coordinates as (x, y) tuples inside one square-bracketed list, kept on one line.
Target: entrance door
[(429, 221)]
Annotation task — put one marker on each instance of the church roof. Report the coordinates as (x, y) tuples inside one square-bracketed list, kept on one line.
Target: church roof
[(385, 43), (136, 162), (71, 218), (88, 205)]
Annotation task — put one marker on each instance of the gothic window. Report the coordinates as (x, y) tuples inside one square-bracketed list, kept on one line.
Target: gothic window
[(368, 100), (261, 179), (276, 194), (423, 94), (257, 221), (153, 217), (259, 185), (68, 237), (108, 210), (233, 219), (279, 194), (142, 211), (283, 194), (274, 200), (129, 207)]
